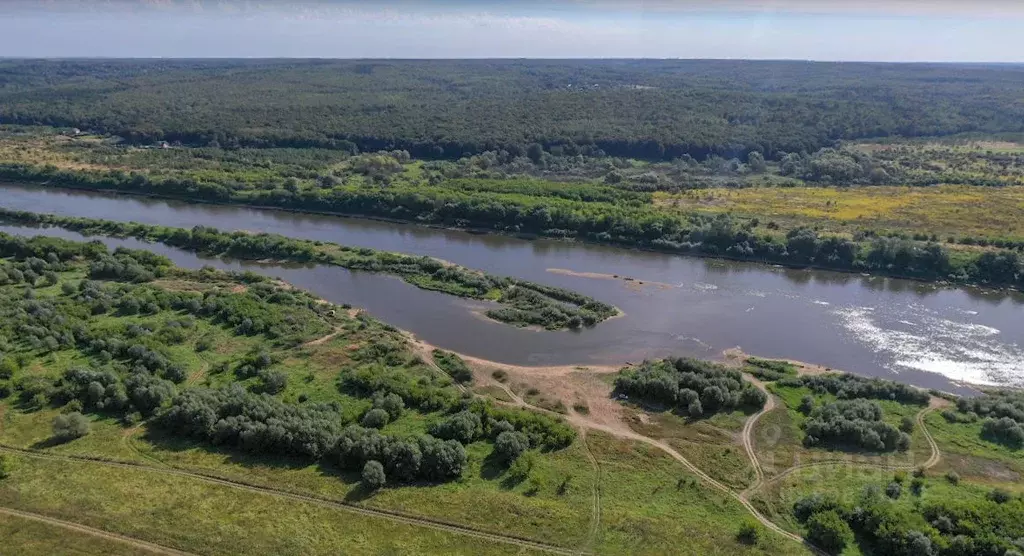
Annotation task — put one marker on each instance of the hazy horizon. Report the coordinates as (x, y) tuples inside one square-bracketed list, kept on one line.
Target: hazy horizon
[(986, 31)]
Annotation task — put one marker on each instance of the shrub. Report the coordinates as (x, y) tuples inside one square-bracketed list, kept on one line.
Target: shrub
[(953, 477), (1000, 496), (7, 368), (850, 387), (804, 508), (749, 533), (521, 468), (257, 423), (464, 426), (690, 385), (70, 426), (453, 365), (510, 445), (441, 459), (375, 418), (391, 403), (828, 531), (907, 425), (1003, 430), (769, 370), (271, 381), (853, 422), (373, 475), (501, 426), (403, 459), (6, 467), (806, 405), (894, 490)]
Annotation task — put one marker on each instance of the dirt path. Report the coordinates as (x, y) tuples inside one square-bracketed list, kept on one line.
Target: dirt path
[(426, 353), (936, 454), (620, 429), (325, 502), (748, 430), (324, 339), (517, 400), (128, 439), (595, 520), (932, 460), (199, 375), (696, 471), (147, 546)]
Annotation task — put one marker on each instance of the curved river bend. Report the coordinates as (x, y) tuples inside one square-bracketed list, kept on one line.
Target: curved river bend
[(924, 334)]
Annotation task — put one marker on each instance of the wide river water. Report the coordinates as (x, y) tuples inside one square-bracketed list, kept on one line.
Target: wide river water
[(924, 334)]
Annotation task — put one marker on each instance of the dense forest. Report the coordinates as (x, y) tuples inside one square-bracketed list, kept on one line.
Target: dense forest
[(650, 109)]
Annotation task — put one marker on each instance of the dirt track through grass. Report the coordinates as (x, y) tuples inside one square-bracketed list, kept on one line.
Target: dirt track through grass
[(595, 520), (326, 502), (148, 546)]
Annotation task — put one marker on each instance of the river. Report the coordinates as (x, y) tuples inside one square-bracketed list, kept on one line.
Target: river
[(924, 334)]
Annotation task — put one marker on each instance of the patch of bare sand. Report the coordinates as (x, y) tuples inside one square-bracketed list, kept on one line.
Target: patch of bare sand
[(576, 386), (630, 282), (425, 348)]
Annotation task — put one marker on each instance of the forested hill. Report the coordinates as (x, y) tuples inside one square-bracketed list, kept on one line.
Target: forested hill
[(652, 109)]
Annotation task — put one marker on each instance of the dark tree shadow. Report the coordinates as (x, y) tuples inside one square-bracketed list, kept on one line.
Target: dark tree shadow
[(359, 494), (493, 466), (170, 443), (51, 442)]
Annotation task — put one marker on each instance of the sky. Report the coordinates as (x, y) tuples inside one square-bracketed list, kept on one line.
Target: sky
[(843, 30)]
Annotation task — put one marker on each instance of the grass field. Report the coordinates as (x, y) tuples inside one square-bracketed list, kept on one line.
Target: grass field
[(847, 484), (712, 444), (778, 437), (943, 211), (27, 537), (947, 210), (970, 455), (211, 519), (648, 500)]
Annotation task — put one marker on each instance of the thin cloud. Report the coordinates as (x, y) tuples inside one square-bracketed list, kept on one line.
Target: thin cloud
[(552, 29)]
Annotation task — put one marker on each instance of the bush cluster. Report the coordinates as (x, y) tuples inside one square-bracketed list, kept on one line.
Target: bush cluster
[(853, 423), (453, 365), (1003, 412), (693, 387), (423, 458), (947, 526), (849, 387)]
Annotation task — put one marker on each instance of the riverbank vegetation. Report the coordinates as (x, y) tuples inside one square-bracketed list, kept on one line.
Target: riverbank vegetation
[(523, 303), (960, 496), (124, 342), (242, 378), (885, 512), (691, 387), (836, 412), (927, 233), (232, 414)]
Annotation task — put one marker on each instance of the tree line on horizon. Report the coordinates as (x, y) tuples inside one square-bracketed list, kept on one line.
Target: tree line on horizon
[(448, 109)]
